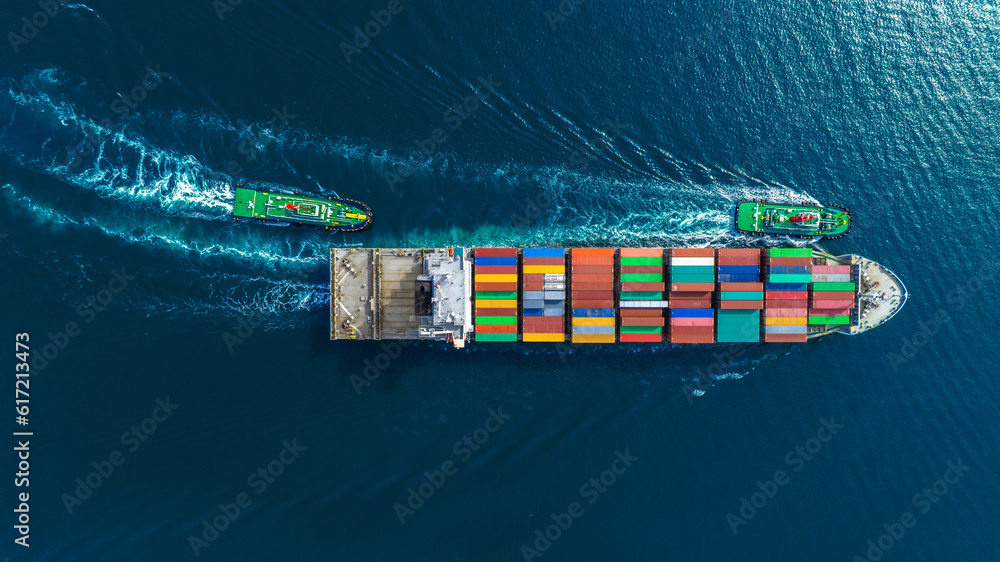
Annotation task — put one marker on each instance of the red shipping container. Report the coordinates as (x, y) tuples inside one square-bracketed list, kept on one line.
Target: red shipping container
[(643, 321), (741, 305), (487, 269), (833, 295), (741, 287), (692, 339), (496, 286), (692, 287), (691, 295), (786, 312), (496, 329), (640, 252), (738, 261), (633, 312), (496, 312), (658, 287), (739, 252), (593, 295), (785, 338), (496, 252), (829, 312), (640, 338), (833, 304), (538, 320), (831, 269), (693, 330), (592, 286), (608, 261), (689, 322), (789, 261), (593, 304), (595, 278), (584, 269), (646, 269), (685, 303), (544, 329), (543, 261), (533, 277), (533, 287), (692, 253), (785, 303), (786, 295), (592, 252)]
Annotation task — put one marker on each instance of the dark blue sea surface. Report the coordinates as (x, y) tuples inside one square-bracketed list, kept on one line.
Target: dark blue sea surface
[(185, 399)]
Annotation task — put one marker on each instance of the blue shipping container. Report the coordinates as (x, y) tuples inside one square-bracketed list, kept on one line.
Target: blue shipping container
[(543, 252), (496, 261), (692, 312), (594, 312)]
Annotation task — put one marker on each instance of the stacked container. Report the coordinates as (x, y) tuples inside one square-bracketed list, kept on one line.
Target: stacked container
[(789, 272), (692, 281), (593, 295), (741, 295), (544, 296), (641, 301), (495, 274), (832, 300)]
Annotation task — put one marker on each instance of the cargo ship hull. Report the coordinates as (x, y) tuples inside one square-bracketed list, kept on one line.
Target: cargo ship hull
[(285, 208), (763, 218), (606, 295)]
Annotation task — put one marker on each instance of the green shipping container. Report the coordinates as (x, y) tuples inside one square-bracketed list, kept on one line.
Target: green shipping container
[(790, 253), (641, 329), (741, 296), (838, 320), (496, 337), (737, 314), (842, 286), (496, 319), (642, 261), (641, 296), (496, 295), (789, 278), (641, 278)]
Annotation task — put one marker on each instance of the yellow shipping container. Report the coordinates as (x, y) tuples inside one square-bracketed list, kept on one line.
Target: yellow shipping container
[(588, 321), (542, 269), (497, 277), (593, 338), (543, 337), (784, 321), (483, 303)]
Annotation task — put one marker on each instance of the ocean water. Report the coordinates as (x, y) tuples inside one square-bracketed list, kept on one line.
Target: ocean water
[(190, 405)]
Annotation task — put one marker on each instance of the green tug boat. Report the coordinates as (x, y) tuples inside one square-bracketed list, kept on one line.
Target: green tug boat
[(764, 218), (345, 215)]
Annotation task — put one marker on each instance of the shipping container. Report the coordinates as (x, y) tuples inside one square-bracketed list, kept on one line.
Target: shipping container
[(496, 337), (831, 269), (739, 252), (692, 321), (741, 286), (496, 328), (830, 278), (654, 269), (741, 295), (741, 305), (593, 330), (643, 321), (829, 312), (787, 295), (585, 338), (833, 287), (495, 252), (495, 261), (643, 261), (739, 269), (786, 286), (785, 312), (802, 329), (785, 338), (789, 261), (830, 320), (692, 253), (738, 261), (682, 261), (737, 278), (592, 295), (532, 337), (656, 287), (496, 287), (784, 321), (786, 303), (789, 278), (640, 252), (688, 287), (609, 303), (815, 303), (640, 338), (496, 320), (593, 312), (480, 295)]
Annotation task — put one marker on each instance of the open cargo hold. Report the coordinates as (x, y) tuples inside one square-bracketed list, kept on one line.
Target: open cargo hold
[(593, 310), (495, 290)]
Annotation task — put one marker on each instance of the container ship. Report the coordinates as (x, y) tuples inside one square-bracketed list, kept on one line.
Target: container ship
[(606, 295), (290, 209), (764, 218)]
